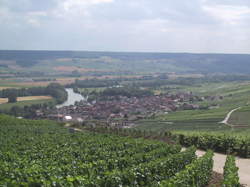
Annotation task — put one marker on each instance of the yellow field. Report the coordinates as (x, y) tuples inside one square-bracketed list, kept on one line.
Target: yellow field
[(4, 87), (27, 98)]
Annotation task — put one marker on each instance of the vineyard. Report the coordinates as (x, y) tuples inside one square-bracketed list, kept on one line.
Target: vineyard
[(42, 153)]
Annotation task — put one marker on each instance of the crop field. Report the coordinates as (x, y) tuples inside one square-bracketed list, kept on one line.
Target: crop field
[(13, 83), (8, 106), (63, 80), (27, 98), (241, 117), (4, 87), (188, 120)]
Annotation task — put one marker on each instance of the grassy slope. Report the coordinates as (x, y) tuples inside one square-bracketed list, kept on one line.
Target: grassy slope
[(7, 106), (241, 117), (235, 95)]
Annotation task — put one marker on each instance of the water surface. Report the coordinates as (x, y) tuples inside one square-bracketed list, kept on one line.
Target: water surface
[(72, 98)]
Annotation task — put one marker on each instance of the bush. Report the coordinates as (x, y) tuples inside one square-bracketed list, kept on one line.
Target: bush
[(222, 143), (12, 98), (231, 177)]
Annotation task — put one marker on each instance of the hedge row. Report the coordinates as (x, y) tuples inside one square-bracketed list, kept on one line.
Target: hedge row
[(218, 142), (222, 143)]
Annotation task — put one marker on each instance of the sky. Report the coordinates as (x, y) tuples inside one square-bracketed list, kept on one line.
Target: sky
[(199, 26)]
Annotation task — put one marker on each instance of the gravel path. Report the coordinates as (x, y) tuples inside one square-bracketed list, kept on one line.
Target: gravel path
[(225, 121), (243, 164)]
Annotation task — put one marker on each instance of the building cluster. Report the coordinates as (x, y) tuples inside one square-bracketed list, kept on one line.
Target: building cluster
[(125, 110)]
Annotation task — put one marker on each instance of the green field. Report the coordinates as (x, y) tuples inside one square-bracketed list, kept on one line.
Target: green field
[(14, 84), (241, 117), (21, 104)]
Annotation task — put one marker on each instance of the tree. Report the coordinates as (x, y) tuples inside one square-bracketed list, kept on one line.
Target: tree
[(15, 110), (76, 73), (12, 97)]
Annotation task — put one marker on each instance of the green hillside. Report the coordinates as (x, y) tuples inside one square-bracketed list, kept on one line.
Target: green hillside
[(42, 153), (47, 61)]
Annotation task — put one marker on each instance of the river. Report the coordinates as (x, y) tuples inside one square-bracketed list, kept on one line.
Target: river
[(72, 98)]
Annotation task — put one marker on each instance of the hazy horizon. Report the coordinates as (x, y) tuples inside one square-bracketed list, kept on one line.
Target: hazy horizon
[(100, 51)]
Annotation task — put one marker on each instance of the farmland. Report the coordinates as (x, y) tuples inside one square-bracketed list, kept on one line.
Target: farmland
[(21, 104), (236, 94), (48, 62), (44, 153), (185, 107), (30, 100), (27, 98), (241, 117)]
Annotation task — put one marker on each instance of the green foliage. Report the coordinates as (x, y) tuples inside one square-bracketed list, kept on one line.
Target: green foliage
[(12, 98), (6, 107), (93, 83), (198, 173), (57, 91), (42, 153), (219, 142), (26, 63), (149, 173), (230, 174)]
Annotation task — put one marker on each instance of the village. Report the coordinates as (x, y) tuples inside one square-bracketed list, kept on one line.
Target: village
[(124, 111)]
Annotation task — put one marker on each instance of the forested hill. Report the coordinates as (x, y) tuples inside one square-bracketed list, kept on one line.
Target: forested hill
[(135, 62)]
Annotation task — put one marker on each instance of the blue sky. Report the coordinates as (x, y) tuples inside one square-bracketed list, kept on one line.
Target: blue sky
[(202, 26)]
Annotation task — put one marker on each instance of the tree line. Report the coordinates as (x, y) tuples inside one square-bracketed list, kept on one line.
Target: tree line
[(55, 90)]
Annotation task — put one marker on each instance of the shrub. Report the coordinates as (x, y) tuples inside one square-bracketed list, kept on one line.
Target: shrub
[(231, 177)]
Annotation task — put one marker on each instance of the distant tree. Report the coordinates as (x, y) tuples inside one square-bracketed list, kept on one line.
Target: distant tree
[(15, 110), (57, 91), (12, 97), (26, 63), (75, 73)]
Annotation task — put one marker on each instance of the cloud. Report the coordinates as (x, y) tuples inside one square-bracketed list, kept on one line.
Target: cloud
[(38, 13), (69, 8), (141, 25), (69, 4), (229, 14)]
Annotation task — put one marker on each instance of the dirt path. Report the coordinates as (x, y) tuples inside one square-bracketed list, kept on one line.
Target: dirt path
[(225, 121), (67, 125), (243, 164)]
